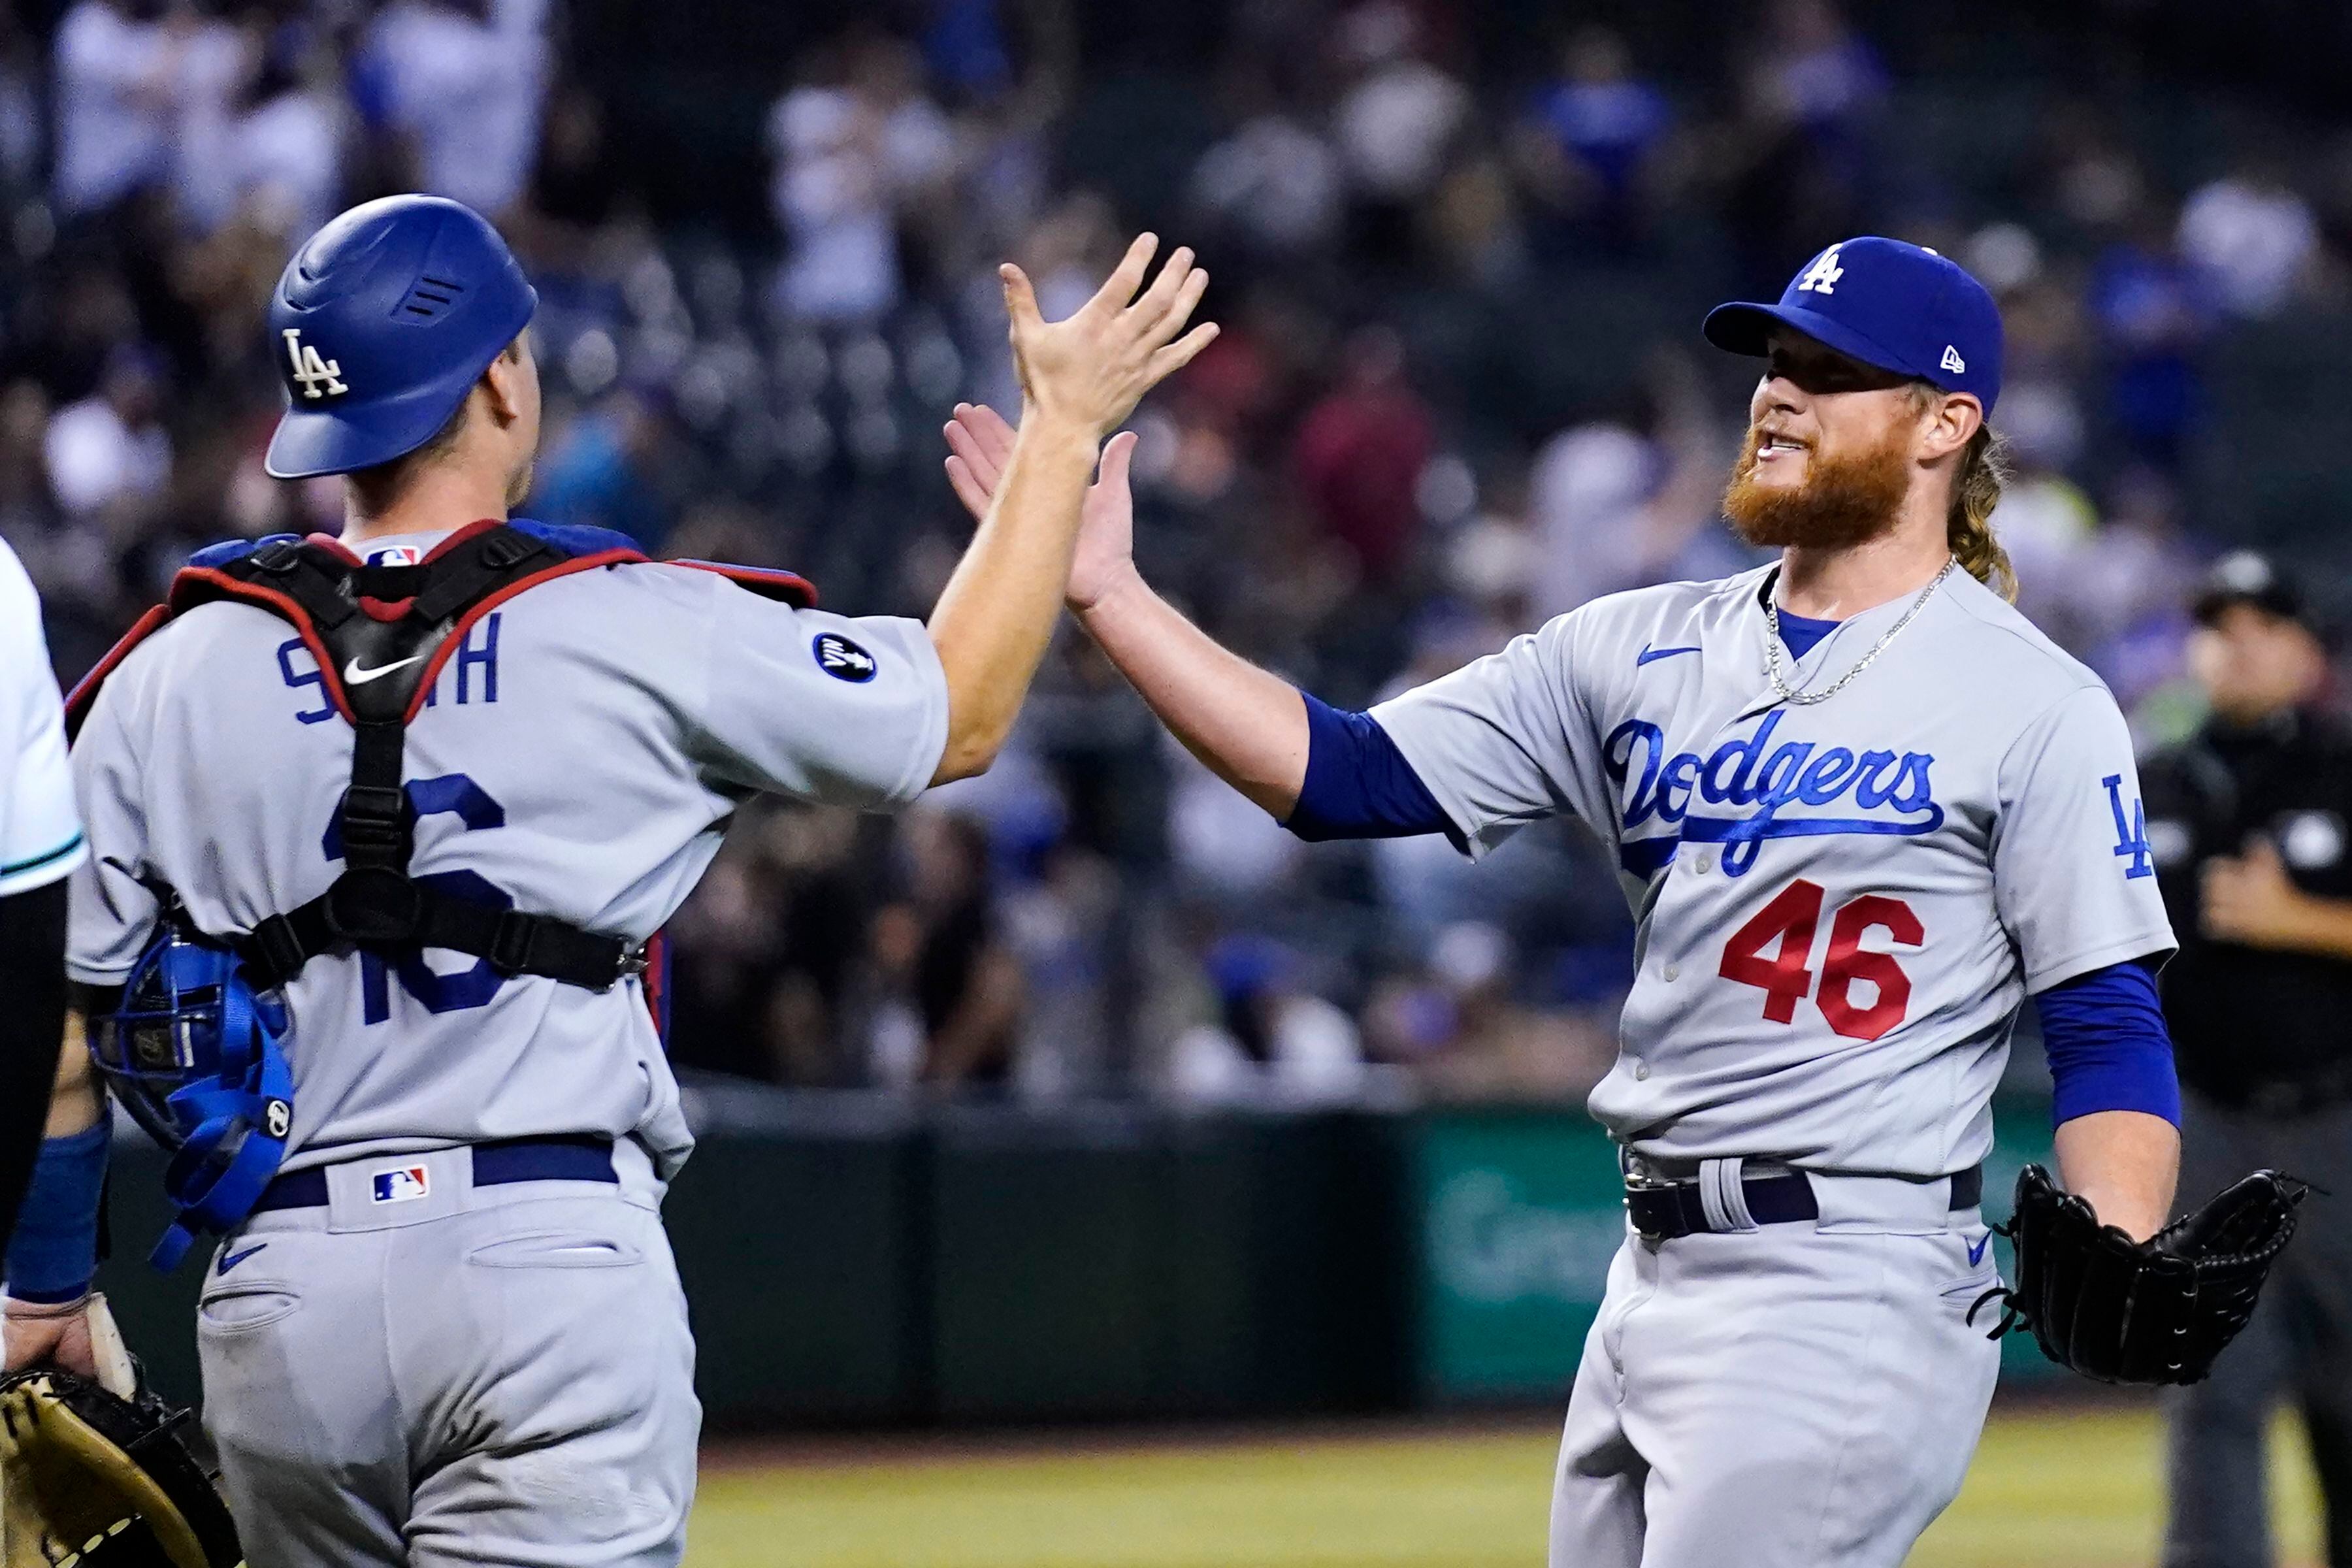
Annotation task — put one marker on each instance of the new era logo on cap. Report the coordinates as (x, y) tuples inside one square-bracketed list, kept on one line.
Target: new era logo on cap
[(403, 1184), (1887, 303)]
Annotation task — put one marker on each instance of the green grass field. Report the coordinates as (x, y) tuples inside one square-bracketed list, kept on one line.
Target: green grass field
[(2049, 1490)]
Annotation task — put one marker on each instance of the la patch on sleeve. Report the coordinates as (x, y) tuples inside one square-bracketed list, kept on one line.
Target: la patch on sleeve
[(841, 658)]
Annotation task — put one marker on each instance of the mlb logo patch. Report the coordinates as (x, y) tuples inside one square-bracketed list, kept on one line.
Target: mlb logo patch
[(402, 1185), (395, 556)]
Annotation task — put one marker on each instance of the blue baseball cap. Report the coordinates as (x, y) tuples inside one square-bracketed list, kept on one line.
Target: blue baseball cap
[(381, 325), (1900, 306)]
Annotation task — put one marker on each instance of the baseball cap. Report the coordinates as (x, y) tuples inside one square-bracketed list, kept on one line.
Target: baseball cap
[(2245, 578), (1900, 306)]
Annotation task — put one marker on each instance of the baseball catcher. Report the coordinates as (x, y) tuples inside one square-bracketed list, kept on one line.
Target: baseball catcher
[(387, 827)]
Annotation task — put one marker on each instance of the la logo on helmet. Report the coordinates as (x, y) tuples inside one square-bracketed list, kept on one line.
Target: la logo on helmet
[(1822, 276), (317, 376)]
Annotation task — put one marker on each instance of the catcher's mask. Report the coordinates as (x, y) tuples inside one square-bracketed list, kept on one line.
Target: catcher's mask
[(197, 1057)]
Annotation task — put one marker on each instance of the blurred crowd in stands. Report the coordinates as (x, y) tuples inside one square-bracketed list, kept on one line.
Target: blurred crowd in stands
[(1460, 390)]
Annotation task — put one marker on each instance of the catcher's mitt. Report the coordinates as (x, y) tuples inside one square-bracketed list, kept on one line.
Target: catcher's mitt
[(2147, 1312), (86, 1477)]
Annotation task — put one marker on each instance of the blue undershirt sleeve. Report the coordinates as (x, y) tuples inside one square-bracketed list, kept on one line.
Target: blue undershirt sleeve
[(2107, 1045), (1358, 783)]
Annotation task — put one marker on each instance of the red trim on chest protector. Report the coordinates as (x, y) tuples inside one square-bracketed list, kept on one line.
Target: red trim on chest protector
[(787, 585), (762, 580), (483, 607), (85, 690), (286, 608)]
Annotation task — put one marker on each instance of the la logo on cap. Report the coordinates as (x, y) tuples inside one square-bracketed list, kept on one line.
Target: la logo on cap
[(1953, 362), (1822, 276)]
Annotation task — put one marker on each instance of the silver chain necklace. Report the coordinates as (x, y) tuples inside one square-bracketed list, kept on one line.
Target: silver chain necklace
[(1807, 698)]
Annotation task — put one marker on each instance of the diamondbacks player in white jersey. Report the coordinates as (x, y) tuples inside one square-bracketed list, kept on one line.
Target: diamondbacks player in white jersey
[(40, 844), (450, 1331), (1862, 810)]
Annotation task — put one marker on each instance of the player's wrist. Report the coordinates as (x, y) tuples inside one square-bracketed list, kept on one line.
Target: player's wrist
[(1121, 588), (1051, 423)]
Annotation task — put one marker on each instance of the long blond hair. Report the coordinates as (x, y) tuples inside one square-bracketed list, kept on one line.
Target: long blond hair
[(1976, 491)]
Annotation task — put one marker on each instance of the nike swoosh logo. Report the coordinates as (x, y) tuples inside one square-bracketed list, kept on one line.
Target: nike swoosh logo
[(1977, 1251), (356, 674), (231, 1259), (1649, 653)]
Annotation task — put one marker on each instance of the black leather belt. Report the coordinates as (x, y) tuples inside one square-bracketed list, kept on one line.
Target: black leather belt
[(1670, 1211), (564, 1159)]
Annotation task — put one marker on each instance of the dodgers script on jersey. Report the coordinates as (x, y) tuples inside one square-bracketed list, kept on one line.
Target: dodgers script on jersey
[(579, 756), (1838, 907), (40, 836)]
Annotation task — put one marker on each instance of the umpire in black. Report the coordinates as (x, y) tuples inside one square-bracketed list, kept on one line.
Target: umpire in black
[(2249, 825)]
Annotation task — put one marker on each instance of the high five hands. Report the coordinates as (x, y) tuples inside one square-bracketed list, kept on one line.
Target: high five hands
[(1092, 368), (980, 442)]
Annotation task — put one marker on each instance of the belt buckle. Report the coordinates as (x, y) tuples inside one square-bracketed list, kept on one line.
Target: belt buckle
[(1640, 1177), (1638, 1184)]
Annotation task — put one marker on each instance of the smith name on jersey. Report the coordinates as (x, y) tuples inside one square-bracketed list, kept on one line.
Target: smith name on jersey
[(578, 755)]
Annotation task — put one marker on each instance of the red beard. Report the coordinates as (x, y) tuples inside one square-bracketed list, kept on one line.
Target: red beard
[(1843, 501)]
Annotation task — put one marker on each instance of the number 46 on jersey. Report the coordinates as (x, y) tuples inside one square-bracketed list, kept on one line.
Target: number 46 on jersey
[(1791, 921)]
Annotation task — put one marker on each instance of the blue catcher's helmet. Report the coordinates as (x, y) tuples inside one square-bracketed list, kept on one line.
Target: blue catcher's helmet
[(195, 1055), (381, 325)]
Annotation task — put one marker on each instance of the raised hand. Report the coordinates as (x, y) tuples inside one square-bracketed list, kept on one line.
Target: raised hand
[(1092, 368), (980, 442)]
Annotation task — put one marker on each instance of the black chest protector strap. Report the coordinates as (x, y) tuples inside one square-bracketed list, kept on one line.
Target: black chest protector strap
[(381, 634)]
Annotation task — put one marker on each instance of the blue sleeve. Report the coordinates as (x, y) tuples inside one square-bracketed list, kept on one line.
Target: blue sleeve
[(53, 1256), (2107, 1045), (1358, 783)]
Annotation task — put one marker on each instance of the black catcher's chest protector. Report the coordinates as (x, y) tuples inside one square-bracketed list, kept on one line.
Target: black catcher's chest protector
[(381, 634)]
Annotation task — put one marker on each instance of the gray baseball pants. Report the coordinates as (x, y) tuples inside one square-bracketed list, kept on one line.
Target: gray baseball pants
[(493, 1376), (1795, 1395)]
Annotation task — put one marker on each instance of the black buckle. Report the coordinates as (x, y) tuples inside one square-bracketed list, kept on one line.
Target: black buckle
[(511, 941), (375, 826), (280, 949), (504, 548), (374, 906), (278, 557)]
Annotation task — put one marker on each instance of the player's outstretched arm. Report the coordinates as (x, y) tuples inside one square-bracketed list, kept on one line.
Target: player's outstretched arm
[(1247, 726), (1079, 378)]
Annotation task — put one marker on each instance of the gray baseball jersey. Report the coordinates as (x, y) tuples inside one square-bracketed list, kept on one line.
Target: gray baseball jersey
[(40, 837), (579, 755), (1838, 907)]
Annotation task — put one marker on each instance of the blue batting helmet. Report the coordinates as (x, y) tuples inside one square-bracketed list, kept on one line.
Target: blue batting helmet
[(381, 325)]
